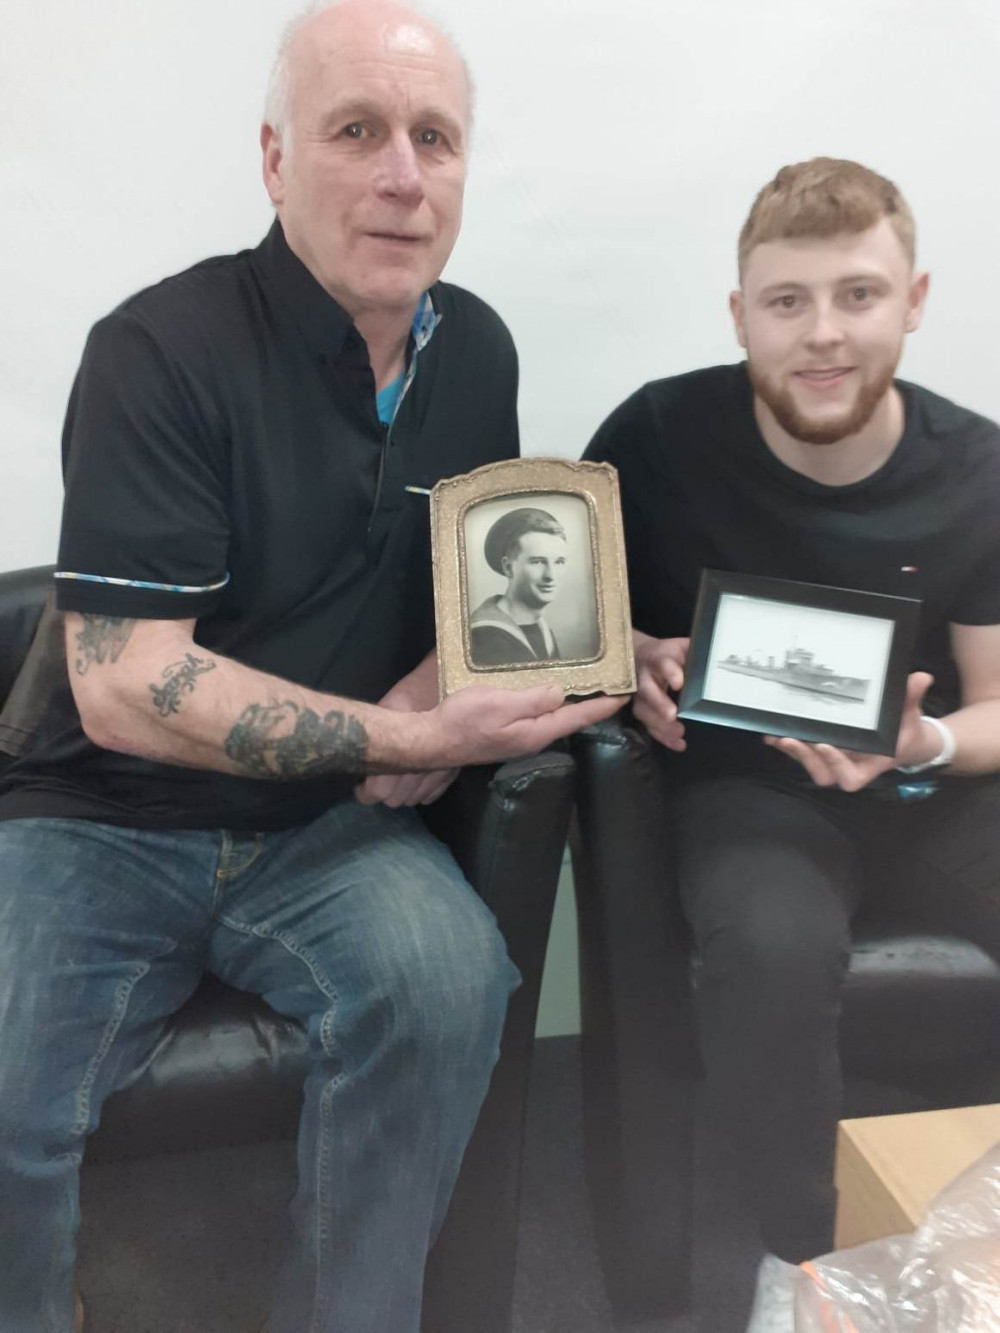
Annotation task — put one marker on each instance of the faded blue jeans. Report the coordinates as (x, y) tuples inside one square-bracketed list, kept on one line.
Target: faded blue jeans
[(359, 925)]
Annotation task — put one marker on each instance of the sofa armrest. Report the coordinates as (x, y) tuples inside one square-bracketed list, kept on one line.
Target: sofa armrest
[(23, 594), (634, 943), (226, 1070), (639, 1050), (507, 829)]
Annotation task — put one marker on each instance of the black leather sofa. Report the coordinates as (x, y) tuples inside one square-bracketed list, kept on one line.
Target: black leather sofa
[(920, 1025), (228, 1070)]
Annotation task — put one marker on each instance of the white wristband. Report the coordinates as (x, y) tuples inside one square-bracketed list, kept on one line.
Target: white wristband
[(946, 754)]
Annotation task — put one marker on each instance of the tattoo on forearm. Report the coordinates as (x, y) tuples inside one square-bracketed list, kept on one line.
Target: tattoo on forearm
[(179, 679), (286, 740), (101, 640)]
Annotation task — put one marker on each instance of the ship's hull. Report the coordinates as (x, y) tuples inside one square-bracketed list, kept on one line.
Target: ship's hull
[(838, 687)]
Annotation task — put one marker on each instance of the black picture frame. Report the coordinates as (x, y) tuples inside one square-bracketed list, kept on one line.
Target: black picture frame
[(818, 703)]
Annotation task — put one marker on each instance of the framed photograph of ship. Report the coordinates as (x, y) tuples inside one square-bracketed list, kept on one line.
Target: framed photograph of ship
[(799, 659), (529, 578)]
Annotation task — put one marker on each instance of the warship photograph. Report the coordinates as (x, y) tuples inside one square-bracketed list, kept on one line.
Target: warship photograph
[(799, 670), (801, 661)]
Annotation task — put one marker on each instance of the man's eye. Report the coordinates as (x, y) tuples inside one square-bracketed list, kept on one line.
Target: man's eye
[(429, 138), (353, 131), (858, 298)]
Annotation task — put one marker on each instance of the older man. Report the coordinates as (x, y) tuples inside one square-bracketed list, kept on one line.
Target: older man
[(244, 569), (812, 461)]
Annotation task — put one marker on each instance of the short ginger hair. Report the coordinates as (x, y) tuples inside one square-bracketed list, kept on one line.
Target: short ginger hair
[(823, 197)]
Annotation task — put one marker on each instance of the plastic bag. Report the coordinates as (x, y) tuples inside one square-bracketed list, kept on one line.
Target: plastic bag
[(942, 1278)]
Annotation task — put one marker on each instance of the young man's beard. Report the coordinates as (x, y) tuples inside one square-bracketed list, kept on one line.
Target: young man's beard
[(802, 427)]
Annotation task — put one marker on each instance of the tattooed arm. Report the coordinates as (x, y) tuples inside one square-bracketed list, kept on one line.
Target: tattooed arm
[(145, 687)]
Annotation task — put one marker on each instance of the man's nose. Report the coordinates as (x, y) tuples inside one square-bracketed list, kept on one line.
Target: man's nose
[(824, 328), (399, 171)]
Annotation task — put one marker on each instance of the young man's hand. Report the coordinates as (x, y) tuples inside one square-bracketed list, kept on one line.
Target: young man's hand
[(848, 769), (659, 665)]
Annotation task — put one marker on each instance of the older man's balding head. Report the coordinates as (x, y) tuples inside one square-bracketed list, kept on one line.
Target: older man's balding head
[(403, 21), (364, 151)]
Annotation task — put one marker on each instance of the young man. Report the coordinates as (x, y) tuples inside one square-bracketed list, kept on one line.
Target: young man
[(811, 461), (528, 547), (244, 571)]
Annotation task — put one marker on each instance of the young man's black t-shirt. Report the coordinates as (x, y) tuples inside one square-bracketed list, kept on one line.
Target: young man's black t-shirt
[(701, 490)]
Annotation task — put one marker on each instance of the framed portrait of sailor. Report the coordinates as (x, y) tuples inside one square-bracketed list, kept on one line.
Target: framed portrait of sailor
[(799, 659), (529, 578)]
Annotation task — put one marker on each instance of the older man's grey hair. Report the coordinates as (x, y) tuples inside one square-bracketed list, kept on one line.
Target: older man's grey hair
[(277, 106)]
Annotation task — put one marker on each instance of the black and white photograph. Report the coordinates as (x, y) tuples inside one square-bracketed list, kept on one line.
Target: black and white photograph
[(530, 579), (803, 660), (799, 659)]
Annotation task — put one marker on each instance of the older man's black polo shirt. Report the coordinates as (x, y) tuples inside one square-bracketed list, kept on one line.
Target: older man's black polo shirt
[(224, 461)]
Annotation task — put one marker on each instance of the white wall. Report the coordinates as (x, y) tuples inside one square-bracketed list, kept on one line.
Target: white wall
[(619, 146)]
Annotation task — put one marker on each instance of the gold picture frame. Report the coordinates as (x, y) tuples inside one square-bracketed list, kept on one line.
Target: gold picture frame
[(530, 585)]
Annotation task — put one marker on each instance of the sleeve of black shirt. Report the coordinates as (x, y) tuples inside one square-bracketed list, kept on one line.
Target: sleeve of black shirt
[(977, 598), (626, 440), (482, 378), (145, 524), (508, 374), (977, 602)]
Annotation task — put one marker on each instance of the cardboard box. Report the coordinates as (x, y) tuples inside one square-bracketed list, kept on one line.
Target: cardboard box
[(890, 1167)]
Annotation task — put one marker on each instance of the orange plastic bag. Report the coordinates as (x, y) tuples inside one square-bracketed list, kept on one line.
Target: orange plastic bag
[(942, 1278)]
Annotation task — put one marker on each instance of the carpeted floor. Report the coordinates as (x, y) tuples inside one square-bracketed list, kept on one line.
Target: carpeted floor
[(149, 1263)]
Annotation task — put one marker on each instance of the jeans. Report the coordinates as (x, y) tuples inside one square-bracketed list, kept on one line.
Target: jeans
[(359, 925)]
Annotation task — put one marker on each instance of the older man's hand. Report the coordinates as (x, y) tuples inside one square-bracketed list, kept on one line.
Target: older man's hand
[(414, 693), (477, 725), (483, 725), (399, 789)]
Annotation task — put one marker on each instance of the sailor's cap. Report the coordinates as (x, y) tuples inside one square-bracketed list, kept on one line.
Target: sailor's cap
[(510, 527)]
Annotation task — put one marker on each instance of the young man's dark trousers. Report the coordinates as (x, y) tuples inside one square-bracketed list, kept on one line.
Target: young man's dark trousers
[(769, 877)]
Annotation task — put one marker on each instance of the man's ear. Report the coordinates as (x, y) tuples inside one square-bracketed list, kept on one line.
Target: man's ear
[(272, 155), (737, 308), (916, 300)]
